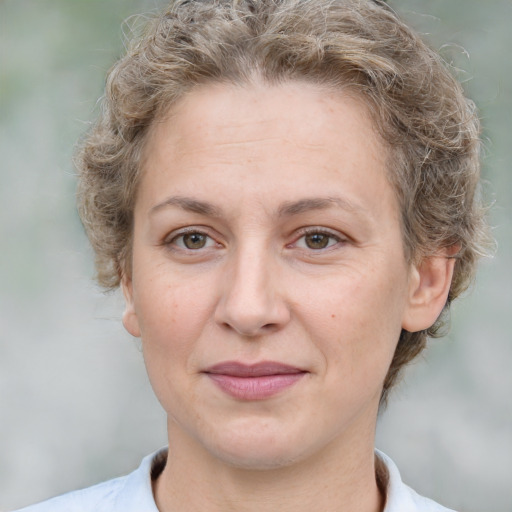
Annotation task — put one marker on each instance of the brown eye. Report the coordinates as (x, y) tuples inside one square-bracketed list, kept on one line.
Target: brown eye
[(317, 240), (194, 240), (191, 240)]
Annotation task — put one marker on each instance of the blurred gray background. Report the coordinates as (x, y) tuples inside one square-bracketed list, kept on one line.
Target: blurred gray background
[(75, 404)]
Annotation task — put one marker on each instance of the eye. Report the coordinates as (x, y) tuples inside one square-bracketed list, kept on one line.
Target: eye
[(193, 240), (317, 240)]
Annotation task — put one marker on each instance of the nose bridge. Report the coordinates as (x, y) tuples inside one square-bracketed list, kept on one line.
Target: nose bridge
[(251, 304)]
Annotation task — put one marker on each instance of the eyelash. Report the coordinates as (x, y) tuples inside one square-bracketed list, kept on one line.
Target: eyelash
[(319, 231), (173, 239), (332, 240)]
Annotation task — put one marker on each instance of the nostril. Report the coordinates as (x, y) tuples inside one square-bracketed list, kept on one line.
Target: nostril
[(249, 304), (250, 331)]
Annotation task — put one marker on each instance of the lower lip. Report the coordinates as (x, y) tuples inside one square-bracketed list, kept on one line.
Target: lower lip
[(255, 388)]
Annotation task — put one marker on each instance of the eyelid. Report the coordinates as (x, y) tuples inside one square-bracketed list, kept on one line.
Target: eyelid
[(310, 230), (177, 233), (301, 233)]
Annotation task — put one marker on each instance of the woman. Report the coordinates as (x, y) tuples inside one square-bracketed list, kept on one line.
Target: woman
[(286, 191)]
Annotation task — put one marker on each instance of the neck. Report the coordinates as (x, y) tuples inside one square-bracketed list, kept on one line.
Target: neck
[(340, 478)]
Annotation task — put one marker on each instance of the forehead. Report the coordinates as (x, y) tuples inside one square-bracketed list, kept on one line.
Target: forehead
[(301, 113), (298, 138)]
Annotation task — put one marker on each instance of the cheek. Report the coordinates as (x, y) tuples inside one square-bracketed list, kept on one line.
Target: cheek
[(172, 312), (169, 318), (357, 319), (172, 319)]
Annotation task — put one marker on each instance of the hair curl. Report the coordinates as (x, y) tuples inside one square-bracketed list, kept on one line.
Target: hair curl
[(417, 106)]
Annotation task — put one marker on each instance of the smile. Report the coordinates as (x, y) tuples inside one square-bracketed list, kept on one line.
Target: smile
[(254, 382)]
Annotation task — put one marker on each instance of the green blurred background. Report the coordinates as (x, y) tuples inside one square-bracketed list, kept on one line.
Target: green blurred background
[(75, 404)]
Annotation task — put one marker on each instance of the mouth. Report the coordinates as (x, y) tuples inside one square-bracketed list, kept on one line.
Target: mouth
[(254, 381)]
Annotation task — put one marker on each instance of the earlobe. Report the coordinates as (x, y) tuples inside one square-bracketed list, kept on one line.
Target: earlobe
[(430, 283), (130, 321)]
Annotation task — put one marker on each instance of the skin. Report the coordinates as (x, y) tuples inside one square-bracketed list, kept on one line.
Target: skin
[(248, 171)]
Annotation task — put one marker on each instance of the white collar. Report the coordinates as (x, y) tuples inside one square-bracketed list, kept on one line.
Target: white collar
[(134, 492)]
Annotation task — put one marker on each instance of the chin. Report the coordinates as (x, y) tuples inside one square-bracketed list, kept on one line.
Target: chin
[(257, 460), (247, 450)]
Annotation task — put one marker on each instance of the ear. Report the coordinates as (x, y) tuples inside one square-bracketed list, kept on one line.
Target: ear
[(429, 285), (130, 320)]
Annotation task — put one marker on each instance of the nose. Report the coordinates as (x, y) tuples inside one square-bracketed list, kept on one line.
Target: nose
[(252, 302)]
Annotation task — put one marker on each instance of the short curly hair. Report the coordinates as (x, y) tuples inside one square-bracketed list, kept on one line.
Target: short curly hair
[(362, 46)]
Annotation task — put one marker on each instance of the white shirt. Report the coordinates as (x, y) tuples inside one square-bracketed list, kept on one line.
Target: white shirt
[(133, 493)]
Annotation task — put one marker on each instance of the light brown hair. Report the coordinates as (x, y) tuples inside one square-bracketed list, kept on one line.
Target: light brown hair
[(361, 46)]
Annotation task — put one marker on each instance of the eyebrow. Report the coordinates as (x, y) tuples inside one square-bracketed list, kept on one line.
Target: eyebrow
[(290, 208), (287, 209), (189, 204)]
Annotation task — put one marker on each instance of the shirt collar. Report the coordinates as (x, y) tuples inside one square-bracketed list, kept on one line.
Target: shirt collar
[(137, 491), (397, 495)]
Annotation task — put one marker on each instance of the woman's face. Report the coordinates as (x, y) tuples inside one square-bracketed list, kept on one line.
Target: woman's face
[(269, 283)]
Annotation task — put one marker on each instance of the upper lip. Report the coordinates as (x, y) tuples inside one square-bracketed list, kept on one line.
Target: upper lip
[(264, 368)]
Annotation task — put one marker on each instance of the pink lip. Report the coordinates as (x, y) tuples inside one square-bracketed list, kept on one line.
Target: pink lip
[(256, 381)]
